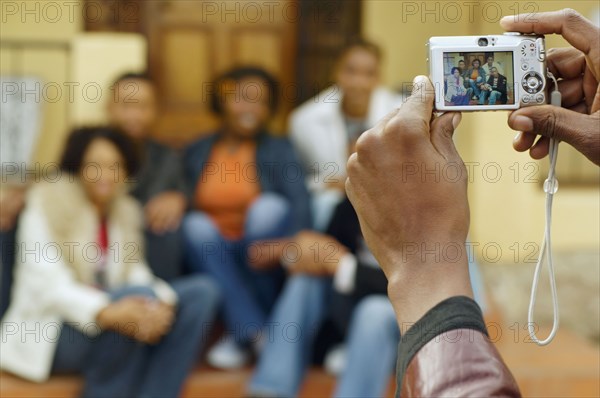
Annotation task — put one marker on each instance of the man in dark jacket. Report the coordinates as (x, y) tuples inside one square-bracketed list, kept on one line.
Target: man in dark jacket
[(160, 184), (495, 88)]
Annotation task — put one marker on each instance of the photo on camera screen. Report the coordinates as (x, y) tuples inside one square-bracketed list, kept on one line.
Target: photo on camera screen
[(478, 78)]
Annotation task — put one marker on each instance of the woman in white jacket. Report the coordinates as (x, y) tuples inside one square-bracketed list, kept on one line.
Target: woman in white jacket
[(83, 299), (456, 93)]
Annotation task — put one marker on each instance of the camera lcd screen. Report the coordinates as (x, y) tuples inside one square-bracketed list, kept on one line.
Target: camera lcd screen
[(478, 78)]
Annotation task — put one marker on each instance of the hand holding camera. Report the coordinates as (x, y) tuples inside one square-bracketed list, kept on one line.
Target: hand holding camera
[(578, 68), (395, 211)]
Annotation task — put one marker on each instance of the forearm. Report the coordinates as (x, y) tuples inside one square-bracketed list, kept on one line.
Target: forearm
[(423, 278)]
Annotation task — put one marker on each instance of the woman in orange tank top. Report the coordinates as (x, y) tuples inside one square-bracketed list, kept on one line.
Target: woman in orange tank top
[(249, 193)]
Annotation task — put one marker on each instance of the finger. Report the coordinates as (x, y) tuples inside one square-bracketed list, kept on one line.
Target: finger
[(150, 208), (175, 223), (523, 141), (579, 108), (380, 124), (571, 92), (566, 63), (420, 102), (592, 98), (550, 121), (351, 168), (578, 31), (137, 299), (540, 149), (158, 223), (151, 216), (411, 123), (579, 130), (442, 130), (163, 223), (172, 222), (365, 140)]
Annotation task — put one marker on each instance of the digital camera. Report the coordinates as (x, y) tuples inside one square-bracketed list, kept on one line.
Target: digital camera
[(480, 73)]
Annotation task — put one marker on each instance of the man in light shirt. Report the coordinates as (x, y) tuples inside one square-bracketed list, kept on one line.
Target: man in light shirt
[(492, 64)]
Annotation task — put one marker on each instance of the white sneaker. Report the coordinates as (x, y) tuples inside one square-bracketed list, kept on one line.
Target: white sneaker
[(335, 360), (228, 355)]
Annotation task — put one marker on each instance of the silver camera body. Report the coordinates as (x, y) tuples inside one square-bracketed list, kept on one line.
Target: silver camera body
[(511, 73)]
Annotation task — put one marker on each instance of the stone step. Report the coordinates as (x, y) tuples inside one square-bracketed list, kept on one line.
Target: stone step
[(568, 367)]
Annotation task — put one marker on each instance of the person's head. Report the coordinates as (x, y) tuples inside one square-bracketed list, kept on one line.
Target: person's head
[(102, 158), (461, 64), (476, 63), (132, 106), (490, 60), (357, 71), (245, 98), (494, 72)]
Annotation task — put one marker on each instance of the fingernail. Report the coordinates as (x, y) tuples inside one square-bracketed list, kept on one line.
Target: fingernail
[(419, 84), (517, 137), (456, 120), (522, 123)]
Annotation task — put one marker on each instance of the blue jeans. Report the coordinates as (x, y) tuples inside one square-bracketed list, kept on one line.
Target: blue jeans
[(117, 366), (494, 96), (372, 345), (474, 84), (165, 253), (248, 294), (372, 342), (295, 322)]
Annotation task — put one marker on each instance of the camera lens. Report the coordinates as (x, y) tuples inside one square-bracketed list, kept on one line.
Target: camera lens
[(483, 42)]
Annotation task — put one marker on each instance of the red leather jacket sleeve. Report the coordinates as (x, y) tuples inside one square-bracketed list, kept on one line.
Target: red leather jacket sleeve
[(462, 364), (450, 355)]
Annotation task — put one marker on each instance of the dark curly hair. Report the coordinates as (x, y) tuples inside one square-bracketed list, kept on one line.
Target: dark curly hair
[(80, 139), (239, 74)]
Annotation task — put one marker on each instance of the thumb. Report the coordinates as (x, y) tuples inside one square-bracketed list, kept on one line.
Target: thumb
[(442, 130), (580, 130)]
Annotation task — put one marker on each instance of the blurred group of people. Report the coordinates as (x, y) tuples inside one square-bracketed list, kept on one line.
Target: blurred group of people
[(242, 226)]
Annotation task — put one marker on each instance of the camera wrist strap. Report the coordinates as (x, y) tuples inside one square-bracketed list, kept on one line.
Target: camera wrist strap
[(550, 188)]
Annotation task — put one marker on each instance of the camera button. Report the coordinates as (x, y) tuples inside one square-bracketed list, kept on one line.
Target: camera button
[(533, 82), (541, 49), (525, 66), (539, 99), (526, 99)]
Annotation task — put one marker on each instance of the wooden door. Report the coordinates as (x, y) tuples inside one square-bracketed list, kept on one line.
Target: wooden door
[(192, 42)]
